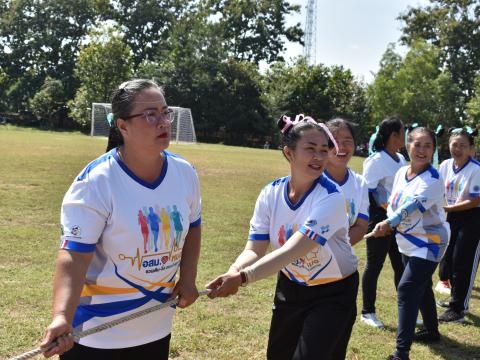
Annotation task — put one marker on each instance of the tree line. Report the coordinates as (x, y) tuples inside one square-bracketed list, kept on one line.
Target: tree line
[(59, 56)]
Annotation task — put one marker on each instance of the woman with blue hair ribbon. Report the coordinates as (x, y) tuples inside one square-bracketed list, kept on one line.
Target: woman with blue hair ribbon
[(104, 268), (461, 174), (415, 212), (379, 170)]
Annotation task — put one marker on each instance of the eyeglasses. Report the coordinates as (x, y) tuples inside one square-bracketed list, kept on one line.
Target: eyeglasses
[(155, 116)]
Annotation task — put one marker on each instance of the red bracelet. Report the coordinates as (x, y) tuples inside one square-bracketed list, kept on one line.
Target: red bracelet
[(244, 279)]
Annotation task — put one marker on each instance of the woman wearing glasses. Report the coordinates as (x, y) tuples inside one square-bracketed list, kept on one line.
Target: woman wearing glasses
[(104, 269)]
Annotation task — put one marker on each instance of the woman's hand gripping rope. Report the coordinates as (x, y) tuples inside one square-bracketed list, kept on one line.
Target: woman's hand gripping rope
[(50, 347)]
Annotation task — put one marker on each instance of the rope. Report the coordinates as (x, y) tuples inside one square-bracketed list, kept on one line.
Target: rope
[(81, 334)]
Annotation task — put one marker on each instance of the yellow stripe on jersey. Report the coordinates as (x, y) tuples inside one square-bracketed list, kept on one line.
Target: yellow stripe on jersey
[(91, 289), (433, 237)]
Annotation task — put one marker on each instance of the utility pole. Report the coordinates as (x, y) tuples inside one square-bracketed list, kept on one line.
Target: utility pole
[(310, 47)]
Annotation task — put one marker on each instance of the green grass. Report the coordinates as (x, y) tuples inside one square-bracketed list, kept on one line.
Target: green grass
[(36, 169)]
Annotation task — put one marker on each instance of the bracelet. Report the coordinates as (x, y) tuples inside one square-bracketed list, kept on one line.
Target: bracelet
[(243, 278)]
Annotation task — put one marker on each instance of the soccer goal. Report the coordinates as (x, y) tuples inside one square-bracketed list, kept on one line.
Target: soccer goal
[(183, 129)]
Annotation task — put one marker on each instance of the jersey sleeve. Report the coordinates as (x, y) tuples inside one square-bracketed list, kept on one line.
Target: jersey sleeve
[(84, 215), (260, 222), (372, 173), (195, 202), (474, 187), (365, 202), (328, 216)]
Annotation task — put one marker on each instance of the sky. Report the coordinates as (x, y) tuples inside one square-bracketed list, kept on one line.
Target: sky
[(353, 33)]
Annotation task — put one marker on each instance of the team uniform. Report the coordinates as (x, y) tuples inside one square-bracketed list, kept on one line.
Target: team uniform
[(318, 288), (122, 219), (379, 172), (416, 210), (461, 260), (355, 190)]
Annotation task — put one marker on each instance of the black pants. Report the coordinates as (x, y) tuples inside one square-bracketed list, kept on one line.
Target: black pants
[(312, 322), (460, 263), (415, 293), (377, 250), (156, 350)]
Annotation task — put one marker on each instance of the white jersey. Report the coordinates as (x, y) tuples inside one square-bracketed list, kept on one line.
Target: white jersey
[(379, 171), (461, 184), (424, 233), (321, 216), (136, 231), (355, 190)]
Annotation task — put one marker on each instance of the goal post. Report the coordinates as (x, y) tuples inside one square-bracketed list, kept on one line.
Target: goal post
[(183, 129)]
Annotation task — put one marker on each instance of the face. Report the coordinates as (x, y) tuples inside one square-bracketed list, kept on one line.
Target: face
[(460, 148), (310, 156), (140, 133), (420, 149), (399, 138), (346, 148)]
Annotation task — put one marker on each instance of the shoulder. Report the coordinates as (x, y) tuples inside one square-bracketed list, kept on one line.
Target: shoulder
[(375, 157), (433, 173), (175, 160), (328, 185), (444, 165), (97, 167), (402, 158), (475, 163), (358, 178)]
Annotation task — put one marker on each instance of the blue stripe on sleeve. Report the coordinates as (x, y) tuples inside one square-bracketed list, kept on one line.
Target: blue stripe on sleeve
[(77, 246), (372, 190), (363, 216), (196, 223), (258, 236), (474, 195)]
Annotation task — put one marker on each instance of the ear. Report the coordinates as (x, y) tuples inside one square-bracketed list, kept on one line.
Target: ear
[(288, 153), (122, 127)]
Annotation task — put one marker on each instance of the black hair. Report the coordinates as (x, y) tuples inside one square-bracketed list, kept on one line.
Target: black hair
[(291, 135), (339, 123), (462, 132), (426, 130), (122, 103), (392, 124)]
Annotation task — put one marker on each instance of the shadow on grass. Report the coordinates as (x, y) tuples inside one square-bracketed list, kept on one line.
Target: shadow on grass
[(451, 349)]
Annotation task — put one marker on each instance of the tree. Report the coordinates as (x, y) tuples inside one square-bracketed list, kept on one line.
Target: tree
[(453, 27), (318, 91), (413, 87), (48, 101), (42, 39), (147, 24), (255, 30), (102, 65)]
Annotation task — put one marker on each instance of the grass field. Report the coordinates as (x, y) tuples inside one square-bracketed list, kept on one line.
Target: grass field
[(37, 167)]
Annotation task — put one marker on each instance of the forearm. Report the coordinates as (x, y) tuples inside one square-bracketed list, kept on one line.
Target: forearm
[(254, 250), (358, 231), (404, 211), (69, 279), (297, 246), (190, 255), (463, 205)]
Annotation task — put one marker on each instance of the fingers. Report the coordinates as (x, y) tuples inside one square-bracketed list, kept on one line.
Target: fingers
[(61, 345)]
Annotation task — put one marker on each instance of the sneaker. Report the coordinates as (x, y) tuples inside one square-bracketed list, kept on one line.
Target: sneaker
[(425, 336), (371, 320), (451, 316), (397, 356), (419, 322), (443, 303), (443, 287)]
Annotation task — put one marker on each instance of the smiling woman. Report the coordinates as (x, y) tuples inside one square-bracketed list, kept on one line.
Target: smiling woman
[(302, 217), (131, 220)]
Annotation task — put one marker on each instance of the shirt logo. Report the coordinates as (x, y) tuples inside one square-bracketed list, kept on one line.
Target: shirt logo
[(76, 230), (476, 188), (311, 222), (324, 229)]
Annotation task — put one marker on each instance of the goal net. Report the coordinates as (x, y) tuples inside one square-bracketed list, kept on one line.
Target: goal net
[(183, 129)]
